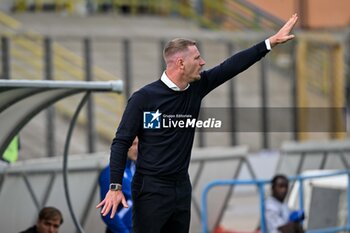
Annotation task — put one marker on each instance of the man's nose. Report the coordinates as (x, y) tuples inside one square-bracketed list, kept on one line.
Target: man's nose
[(52, 229), (202, 62)]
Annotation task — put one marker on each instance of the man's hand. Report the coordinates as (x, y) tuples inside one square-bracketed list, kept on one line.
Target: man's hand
[(283, 35), (111, 201)]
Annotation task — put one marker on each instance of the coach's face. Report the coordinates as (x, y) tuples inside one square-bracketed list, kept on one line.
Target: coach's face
[(193, 64)]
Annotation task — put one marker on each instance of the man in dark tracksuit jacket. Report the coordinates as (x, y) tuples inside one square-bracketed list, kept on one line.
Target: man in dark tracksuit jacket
[(161, 188)]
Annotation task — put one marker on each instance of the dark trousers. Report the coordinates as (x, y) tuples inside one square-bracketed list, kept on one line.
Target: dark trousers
[(161, 205)]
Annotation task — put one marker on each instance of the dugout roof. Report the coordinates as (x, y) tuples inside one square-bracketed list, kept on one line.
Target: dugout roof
[(21, 100)]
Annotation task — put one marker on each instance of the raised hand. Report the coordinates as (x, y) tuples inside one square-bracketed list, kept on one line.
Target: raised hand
[(283, 35)]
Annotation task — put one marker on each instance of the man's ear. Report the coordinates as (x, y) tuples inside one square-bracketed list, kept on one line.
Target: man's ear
[(180, 63)]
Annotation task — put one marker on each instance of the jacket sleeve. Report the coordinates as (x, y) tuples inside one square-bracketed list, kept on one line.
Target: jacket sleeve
[(129, 127), (232, 66)]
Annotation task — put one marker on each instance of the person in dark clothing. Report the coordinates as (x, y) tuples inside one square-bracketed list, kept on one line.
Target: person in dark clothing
[(49, 221), (161, 188)]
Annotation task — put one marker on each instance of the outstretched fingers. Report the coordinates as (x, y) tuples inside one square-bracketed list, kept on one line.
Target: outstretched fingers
[(101, 203), (106, 208), (291, 22), (111, 202), (125, 204), (283, 35), (114, 210)]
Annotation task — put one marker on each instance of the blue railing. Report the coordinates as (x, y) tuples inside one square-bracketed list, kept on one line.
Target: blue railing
[(260, 183)]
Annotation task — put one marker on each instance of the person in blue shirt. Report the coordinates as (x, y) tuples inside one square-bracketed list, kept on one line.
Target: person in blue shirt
[(122, 222), (161, 187)]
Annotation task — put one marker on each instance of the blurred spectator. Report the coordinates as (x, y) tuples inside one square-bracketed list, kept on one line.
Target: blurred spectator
[(122, 222), (278, 217), (49, 221)]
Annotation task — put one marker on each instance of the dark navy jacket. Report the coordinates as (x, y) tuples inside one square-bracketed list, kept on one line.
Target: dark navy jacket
[(166, 152)]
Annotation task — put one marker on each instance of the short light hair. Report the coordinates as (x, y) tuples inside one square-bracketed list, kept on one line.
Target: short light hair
[(176, 45), (50, 213)]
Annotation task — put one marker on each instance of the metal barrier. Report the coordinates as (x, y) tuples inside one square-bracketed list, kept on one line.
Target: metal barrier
[(260, 185), (39, 182), (204, 168), (21, 100), (298, 157), (30, 55)]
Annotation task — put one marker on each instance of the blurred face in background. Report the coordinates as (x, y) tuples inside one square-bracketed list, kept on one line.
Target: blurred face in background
[(48, 225), (280, 189)]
